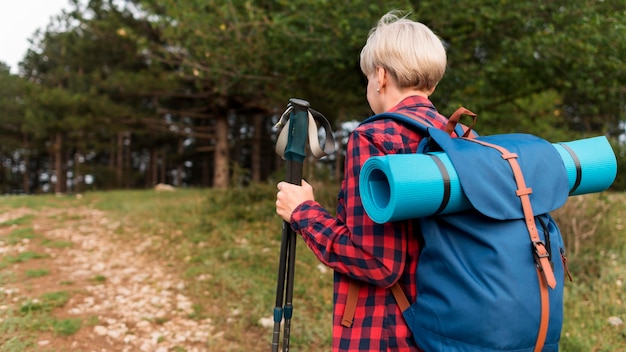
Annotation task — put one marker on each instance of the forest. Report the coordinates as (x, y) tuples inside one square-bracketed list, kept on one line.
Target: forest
[(126, 94)]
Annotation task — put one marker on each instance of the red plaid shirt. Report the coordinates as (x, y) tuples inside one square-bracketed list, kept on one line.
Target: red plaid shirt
[(378, 255)]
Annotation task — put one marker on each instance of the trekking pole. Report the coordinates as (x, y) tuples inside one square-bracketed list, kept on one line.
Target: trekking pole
[(299, 126)]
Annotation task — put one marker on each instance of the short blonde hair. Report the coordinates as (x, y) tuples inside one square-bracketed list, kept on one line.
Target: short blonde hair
[(408, 50)]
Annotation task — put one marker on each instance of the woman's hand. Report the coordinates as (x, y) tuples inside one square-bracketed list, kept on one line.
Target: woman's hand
[(289, 196)]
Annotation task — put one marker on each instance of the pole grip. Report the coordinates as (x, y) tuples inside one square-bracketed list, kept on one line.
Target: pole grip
[(298, 130)]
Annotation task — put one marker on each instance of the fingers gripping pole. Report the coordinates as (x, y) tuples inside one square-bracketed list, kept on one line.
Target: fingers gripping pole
[(294, 138)]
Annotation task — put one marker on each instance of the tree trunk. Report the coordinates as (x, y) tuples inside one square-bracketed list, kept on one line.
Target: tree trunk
[(26, 175), (78, 178), (163, 167), (206, 172), (220, 174), (179, 164), (129, 181), (257, 142), (59, 186), (111, 162), (119, 160), (152, 172)]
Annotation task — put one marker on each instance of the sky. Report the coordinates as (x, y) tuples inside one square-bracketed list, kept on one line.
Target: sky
[(19, 19)]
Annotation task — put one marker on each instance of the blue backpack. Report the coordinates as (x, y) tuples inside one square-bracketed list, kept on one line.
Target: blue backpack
[(490, 278)]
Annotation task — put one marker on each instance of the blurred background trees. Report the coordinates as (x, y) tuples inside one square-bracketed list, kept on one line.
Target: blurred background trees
[(128, 94)]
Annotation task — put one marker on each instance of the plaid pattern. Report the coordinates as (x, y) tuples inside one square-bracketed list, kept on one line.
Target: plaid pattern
[(354, 246)]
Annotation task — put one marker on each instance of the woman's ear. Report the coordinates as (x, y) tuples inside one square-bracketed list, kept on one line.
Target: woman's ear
[(381, 77)]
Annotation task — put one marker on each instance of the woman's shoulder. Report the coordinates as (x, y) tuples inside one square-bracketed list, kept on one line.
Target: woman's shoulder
[(387, 135)]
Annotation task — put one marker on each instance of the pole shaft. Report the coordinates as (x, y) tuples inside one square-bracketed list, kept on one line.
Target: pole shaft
[(294, 156)]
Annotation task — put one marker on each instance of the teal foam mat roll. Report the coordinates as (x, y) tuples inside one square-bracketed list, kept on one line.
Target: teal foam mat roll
[(597, 164), (403, 186)]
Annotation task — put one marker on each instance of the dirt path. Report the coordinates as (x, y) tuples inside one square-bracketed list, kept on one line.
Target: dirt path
[(126, 301)]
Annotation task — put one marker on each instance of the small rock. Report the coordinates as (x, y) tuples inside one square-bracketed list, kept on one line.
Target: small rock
[(114, 334), (100, 330), (322, 268), (266, 322), (615, 321), (98, 266), (164, 187)]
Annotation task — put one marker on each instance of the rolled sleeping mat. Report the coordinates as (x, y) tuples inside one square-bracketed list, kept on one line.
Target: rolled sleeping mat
[(590, 164), (404, 186)]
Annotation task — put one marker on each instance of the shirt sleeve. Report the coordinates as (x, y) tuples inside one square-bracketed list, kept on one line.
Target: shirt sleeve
[(351, 243)]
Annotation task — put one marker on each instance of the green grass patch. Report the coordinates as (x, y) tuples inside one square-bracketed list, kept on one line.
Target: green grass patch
[(99, 279), (46, 302), (42, 201), (15, 343), (23, 257), (20, 328), (66, 327), (18, 235), (55, 299), (34, 273), (92, 320), (57, 243), (26, 219)]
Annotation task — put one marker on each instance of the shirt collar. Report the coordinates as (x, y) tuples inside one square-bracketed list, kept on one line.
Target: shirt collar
[(413, 102)]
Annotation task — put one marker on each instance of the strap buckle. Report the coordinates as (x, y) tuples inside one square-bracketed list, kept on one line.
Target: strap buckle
[(539, 252)]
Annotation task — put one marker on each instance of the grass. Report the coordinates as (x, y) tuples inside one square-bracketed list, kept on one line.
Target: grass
[(225, 245), (593, 230), (57, 244), (23, 257), (21, 324), (23, 319), (18, 221), (34, 273), (228, 242), (99, 279), (20, 234)]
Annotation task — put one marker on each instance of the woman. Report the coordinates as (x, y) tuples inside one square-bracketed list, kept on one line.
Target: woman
[(403, 61)]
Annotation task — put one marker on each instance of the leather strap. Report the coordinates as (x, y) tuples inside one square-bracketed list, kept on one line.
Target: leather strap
[(454, 120), (351, 300), (400, 296), (353, 297), (542, 256), (545, 313)]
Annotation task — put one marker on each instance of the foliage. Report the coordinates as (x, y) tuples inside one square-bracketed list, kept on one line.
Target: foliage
[(620, 154), (592, 226), (135, 91), (500, 56), (258, 53)]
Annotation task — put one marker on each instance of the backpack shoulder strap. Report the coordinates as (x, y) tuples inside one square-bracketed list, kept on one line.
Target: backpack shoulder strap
[(422, 125), (350, 307), (353, 297), (414, 121)]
